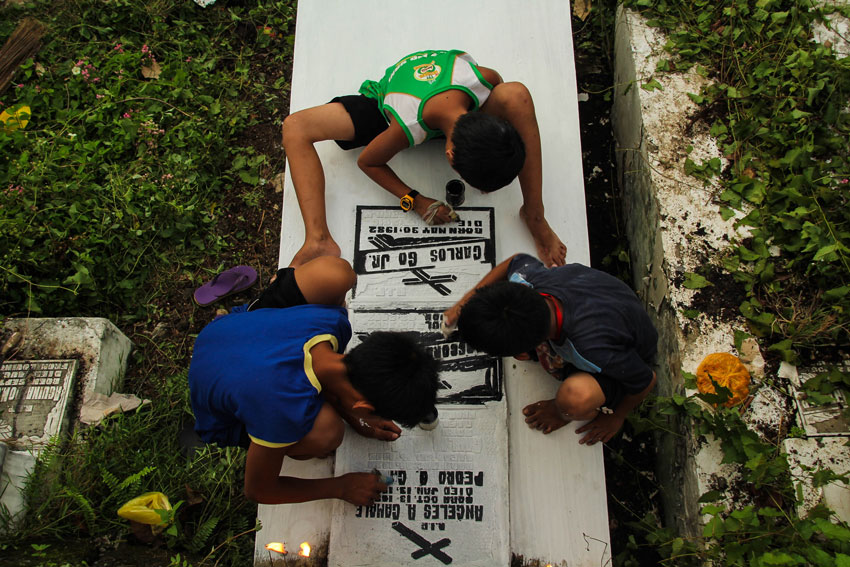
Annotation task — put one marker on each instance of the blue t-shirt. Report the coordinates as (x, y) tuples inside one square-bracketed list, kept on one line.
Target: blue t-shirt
[(253, 370), (605, 330)]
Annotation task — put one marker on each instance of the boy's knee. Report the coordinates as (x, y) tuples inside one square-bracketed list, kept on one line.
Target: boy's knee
[(339, 274), (331, 437), (577, 398), (294, 128)]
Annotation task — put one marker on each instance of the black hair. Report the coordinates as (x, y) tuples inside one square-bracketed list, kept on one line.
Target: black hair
[(396, 374), (504, 319), (488, 151)]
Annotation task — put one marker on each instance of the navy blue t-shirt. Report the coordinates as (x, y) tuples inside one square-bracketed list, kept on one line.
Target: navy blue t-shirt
[(253, 370), (603, 320)]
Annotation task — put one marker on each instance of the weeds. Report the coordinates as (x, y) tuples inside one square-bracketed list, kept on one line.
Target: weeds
[(777, 102), (128, 146), (79, 485)]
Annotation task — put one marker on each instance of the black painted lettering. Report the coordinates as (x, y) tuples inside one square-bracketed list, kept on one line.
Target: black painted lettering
[(479, 479)]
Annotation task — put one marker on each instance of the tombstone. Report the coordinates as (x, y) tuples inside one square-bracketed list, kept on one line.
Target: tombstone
[(56, 359), (480, 489), (826, 417)]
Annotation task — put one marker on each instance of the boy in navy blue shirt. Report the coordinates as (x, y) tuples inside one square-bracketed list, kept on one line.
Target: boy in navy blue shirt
[(585, 327)]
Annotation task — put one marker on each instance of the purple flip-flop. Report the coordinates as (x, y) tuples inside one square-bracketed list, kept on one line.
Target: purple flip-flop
[(226, 283)]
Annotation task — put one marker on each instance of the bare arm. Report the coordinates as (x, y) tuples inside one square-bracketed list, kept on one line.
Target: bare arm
[(499, 273), (373, 162), (344, 397), (512, 102), (264, 485), (490, 75), (604, 426)]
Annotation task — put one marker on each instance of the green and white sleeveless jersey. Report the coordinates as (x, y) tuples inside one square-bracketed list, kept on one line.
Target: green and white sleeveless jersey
[(407, 86)]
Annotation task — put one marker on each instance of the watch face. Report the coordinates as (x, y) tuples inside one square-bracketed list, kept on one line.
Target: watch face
[(406, 203)]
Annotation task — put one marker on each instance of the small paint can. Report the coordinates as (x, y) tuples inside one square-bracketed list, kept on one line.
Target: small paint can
[(430, 421), (455, 192)]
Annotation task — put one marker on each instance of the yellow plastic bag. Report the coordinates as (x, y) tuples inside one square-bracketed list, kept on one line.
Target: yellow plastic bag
[(14, 118), (143, 508)]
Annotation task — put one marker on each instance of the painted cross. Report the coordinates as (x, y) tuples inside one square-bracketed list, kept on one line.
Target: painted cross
[(425, 547)]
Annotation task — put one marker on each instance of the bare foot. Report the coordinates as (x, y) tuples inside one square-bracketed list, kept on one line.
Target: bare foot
[(315, 248), (551, 251), (544, 416)]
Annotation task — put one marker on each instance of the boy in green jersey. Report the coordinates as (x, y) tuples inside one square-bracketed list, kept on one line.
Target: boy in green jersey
[(424, 95)]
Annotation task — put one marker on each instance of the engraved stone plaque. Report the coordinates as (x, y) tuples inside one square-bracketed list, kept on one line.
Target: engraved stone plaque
[(821, 419), (401, 261), (33, 398), (448, 500)]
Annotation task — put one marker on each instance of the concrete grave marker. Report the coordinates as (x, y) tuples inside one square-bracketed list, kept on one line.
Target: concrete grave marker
[(825, 419), (34, 396), (37, 385), (553, 509), (400, 260), (448, 501)]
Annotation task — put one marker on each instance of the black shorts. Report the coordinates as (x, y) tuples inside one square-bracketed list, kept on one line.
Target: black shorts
[(281, 293), (367, 118)]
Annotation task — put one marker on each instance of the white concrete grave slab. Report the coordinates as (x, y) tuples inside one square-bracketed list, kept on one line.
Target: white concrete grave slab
[(540, 497)]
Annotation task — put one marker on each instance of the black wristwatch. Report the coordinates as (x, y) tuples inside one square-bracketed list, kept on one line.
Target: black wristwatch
[(407, 201)]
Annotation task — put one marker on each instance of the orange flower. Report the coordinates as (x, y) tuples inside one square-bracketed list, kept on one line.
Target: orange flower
[(728, 371)]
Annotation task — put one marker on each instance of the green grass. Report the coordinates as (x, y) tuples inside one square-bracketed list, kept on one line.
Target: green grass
[(117, 176), (113, 187)]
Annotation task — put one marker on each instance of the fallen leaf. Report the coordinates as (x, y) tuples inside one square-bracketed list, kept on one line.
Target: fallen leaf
[(277, 182), (151, 71), (193, 497), (581, 9)]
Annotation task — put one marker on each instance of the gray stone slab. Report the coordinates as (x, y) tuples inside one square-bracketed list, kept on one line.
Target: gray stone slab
[(34, 398), (820, 419), (806, 456), (55, 358), (100, 347)]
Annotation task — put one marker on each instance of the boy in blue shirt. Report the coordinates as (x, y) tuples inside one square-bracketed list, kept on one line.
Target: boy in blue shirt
[(586, 327), (490, 130), (272, 378)]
